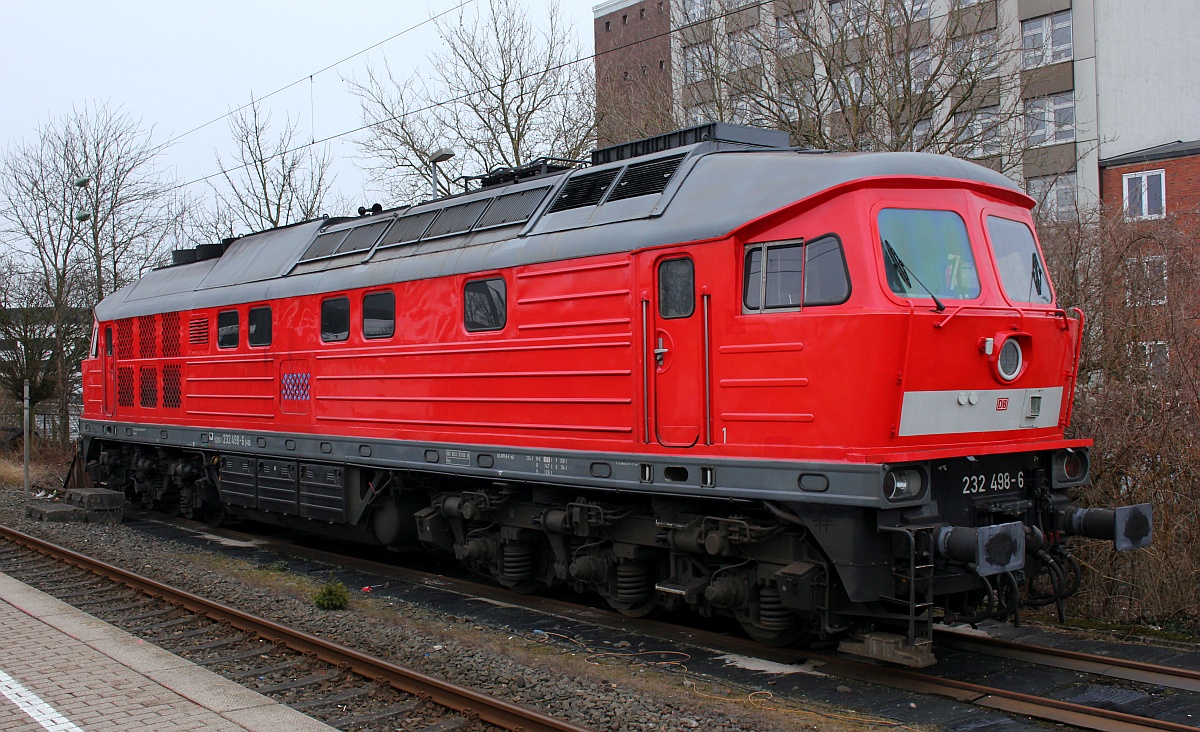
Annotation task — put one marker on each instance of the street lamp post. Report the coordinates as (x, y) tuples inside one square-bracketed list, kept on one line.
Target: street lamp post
[(440, 155)]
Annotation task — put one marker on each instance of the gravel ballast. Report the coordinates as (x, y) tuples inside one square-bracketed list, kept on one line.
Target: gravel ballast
[(618, 695)]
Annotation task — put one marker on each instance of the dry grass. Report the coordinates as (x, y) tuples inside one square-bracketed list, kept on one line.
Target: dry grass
[(44, 474)]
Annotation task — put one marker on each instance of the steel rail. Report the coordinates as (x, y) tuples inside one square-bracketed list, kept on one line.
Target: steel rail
[(1119, 668), (466, 701), (887, 676), (1016, 702)]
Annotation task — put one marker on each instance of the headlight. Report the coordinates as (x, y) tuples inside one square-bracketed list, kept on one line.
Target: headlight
[(1071, 467), (1008, 364), (902, 484)]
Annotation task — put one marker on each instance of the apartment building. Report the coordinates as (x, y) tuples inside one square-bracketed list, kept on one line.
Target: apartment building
[(1075, 82)]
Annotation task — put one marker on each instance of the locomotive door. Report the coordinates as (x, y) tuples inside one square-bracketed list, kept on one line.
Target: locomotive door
[(109, 374), (675, 353)]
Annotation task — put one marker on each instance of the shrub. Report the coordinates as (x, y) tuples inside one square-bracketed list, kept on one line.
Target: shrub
[(332, 596)]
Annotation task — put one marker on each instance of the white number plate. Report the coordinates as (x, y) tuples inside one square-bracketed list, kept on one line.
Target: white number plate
[(993, 482)]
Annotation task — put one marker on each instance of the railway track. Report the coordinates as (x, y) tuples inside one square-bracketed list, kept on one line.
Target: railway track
[(314, 675), (1084, 716)]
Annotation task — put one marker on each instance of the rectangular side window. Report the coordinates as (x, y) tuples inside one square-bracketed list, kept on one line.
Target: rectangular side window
[(335, 319), (379, 315), (485, 305), (676, 288), (822, 262), (108, 342), (227, 329), (259, 322)]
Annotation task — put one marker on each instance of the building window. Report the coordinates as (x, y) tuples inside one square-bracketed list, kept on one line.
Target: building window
[(485, 305), (695, 8), (1057, 196), (379, 315), (920, 64), (1156, 355), (743, 49), (848, 17), (1050, 120), (918, 9), (921, 131), (789, 32), (1046, 40), (975, 55), (259, 324), (693, 66), (227, 329), (978, 132), (1145, 195), (335, 319), (1146, 281)]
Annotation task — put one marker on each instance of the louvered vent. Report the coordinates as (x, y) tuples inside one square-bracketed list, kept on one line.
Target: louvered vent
[(198, 331), (644, 179), (407, 229), (324, 245), (513, 208), (125, 339), (125, 386), (148, 383), (584, 190), (363, 237), (456, 219), (170, 335), (172, 386)]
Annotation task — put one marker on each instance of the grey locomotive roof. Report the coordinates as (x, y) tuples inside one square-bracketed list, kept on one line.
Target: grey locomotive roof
[(714, 191)]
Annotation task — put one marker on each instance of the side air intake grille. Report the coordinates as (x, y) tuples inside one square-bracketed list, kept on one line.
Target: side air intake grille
[(513, 208), (170, 335), (584, 190), (198, 331), (407, 229), (644, 179)]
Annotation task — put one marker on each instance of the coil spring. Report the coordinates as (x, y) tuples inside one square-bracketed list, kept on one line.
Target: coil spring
[(772, 615), (633, 582), (516, 561)]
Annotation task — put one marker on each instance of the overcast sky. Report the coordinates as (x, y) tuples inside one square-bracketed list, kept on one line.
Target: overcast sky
[(176, 66)]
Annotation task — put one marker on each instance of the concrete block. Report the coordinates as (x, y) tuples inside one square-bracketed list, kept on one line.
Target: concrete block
[(47, 511), (95, 498)]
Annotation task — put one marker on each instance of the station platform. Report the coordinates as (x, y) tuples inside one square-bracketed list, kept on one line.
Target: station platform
[(63, 670)]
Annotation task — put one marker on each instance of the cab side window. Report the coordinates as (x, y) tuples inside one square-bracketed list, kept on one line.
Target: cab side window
[(485, 305), (813, 271)]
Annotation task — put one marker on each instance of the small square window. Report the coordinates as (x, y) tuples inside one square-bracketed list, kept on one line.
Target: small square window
[(259, 322), (335, 319), (227, 329), (485, 305), (379, 315)]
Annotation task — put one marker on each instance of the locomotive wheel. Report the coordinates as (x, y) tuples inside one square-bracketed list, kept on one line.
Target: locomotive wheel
[(215, 516), (775, 638), (634, 610)]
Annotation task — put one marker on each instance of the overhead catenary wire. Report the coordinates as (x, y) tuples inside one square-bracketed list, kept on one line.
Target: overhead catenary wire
[(466, 95), (318, 72)]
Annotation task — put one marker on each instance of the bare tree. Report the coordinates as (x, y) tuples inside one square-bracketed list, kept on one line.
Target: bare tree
[(272, 181), (1138, 396), (846, 75), (76, 243), (502, 94)]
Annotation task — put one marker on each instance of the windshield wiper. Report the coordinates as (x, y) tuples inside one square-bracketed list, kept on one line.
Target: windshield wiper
[(904, 273), (1036, 274)]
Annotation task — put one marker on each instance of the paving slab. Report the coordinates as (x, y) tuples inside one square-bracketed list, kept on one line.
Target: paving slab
[(65, 670)]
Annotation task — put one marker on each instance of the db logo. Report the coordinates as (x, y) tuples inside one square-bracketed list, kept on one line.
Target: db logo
[(1001, 404)]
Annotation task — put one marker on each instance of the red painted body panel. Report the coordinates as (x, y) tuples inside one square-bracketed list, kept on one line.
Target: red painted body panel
[(575, 365)]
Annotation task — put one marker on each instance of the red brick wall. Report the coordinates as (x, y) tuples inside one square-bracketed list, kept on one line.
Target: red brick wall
[(1183, 183), (633, 70)]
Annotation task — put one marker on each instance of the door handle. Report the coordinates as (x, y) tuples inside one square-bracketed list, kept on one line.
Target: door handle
[(660, 352)]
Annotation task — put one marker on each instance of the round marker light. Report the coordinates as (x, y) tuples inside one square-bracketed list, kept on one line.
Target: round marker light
[(902, 484), (1070, 467), (1008, 364)]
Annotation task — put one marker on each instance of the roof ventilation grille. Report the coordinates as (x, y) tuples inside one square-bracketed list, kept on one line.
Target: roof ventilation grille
[(644, 179), (584, 190)]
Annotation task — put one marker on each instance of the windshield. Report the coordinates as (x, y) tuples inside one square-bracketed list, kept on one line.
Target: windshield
[(933, 246), (1017, 258)]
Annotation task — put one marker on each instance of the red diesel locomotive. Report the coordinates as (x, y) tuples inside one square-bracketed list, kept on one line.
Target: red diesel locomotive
[(819, 393)]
